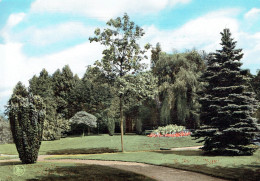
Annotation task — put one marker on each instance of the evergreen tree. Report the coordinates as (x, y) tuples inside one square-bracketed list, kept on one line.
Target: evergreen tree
[(256, 87), (227, 103), (26, 115), (63, 83), (54, 125)]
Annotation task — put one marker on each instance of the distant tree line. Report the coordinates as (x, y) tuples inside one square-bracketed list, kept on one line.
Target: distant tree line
[(177, 81)]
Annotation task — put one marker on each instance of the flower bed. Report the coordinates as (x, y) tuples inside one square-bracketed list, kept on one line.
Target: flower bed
[(180, 134), (170, 131)]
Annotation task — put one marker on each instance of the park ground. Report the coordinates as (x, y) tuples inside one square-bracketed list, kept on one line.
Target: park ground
[(140, 149)]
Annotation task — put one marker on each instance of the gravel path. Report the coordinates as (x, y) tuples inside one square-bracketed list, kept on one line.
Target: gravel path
[(159, 173)]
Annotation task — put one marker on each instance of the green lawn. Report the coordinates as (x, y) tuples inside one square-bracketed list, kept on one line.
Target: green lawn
[(236, 167), (104, 143), (64, 171), (145, 150), (7, 157)]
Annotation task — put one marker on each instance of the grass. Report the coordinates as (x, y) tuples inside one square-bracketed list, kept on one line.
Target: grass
[(65, 171), (236, 167), (145, 150), (7, 157), (83, 145)]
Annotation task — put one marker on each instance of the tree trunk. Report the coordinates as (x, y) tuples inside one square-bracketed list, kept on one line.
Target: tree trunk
[(88, 130), (121, 123)]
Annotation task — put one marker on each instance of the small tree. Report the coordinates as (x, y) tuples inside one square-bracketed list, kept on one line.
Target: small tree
[(122, 56), (84, 119), (26, 115)]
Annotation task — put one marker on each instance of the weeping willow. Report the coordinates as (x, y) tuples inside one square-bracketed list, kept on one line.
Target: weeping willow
[(178, 76)]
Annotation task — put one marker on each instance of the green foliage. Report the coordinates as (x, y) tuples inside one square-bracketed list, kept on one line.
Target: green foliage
[(53, 126), (122, 56), (255, 82), (5, 132), (178, 84), (110, 126), (26, 115), (84, 119), (227, 103), (63, 83)]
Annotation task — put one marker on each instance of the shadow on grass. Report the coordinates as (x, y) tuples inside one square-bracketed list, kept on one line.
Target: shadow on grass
[(82, 151), (89, 173), (236, 173), (10, 163), (182, 152)]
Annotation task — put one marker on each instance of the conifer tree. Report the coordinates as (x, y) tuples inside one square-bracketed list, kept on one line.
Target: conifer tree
[(42, 86), (26, 115), (227, 103), (63, 83)]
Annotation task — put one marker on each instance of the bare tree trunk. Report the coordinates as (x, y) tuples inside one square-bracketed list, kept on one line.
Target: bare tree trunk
[(121, 123)]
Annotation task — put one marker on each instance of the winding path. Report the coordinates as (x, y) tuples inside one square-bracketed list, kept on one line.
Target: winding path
[(159, 173)]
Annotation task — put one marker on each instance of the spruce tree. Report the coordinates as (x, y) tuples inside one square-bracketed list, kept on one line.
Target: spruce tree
[(227, 103)]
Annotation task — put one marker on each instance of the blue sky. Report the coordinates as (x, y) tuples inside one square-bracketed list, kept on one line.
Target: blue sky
[(37, 34)]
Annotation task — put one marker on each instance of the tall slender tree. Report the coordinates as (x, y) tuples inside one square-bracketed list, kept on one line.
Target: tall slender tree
[(26, 114), (42, 85), (122, 55), (227, 103), (63, 83)]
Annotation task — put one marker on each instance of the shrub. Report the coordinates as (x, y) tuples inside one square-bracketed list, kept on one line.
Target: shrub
[(83, 119), (26, 115), (111, 126)]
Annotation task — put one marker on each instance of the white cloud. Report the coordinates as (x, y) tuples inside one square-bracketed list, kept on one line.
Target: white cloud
[(77, 57), (53, 34), (103, 9), (13, 20), (202, 33), (253, 13), (15, 66)]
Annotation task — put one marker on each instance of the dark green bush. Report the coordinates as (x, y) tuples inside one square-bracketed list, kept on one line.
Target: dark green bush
[(26, 114)]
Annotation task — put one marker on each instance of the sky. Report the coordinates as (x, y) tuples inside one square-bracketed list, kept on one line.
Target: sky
[(37, 34)]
